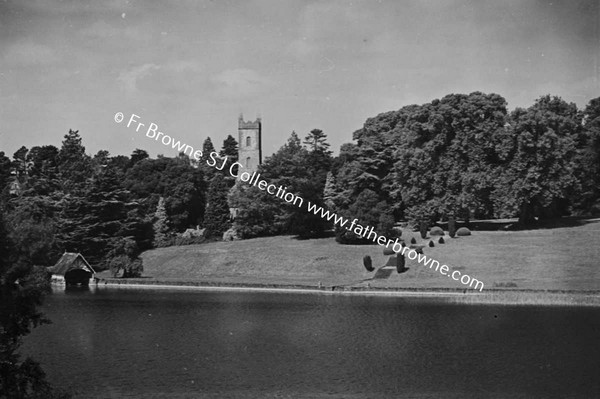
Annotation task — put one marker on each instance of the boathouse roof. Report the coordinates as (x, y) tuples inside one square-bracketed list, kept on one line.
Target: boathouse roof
[(70, 261)]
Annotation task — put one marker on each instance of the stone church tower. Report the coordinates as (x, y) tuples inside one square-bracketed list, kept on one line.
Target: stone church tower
[(249, 144)]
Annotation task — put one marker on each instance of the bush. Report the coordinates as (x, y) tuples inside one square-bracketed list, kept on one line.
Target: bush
[(125, 265), (231, 235), (423, 229), (441, 240), (368, 263), (463, 231), (400, 263), (451, 227), (436, 231), (431, 244), (413, 241)]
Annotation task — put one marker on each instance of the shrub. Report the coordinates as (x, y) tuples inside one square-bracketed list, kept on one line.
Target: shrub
[(231, 235), (423, 229), (368, 263), (436, 231), (463, 231), (413, 241), (125, 265), (451, 227), (431, 244), (400, 262), (441, 240)]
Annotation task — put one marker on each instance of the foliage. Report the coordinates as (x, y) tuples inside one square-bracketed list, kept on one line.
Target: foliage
[(369, 211), (297, 170), (217, 218), (258, 214), (368, 263), (75, 167), (540, 174), (123, 258), (161, 225), (451, 226), (465, 154), (181, 185), (22, 288)]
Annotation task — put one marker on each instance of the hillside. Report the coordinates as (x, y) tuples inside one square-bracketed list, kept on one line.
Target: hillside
[(563, 258)]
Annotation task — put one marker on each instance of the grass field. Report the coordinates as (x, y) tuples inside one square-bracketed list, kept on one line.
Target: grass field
[(562, 258)]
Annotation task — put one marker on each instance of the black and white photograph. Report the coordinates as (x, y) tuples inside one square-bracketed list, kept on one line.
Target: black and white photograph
[(281, 199)]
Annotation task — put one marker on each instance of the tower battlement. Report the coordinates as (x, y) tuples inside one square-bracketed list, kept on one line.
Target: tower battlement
[(248, 124)]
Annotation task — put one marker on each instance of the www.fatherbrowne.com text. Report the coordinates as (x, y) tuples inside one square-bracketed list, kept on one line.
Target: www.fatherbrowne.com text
[(368, 232)]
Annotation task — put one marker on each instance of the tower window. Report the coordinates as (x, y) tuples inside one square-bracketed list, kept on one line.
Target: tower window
[(248, 160), (248, 141)]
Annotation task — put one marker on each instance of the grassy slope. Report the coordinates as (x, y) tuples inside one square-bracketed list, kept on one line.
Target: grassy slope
[(565, 258)]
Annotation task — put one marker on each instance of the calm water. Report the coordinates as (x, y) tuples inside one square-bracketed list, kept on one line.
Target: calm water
[(113, 343)]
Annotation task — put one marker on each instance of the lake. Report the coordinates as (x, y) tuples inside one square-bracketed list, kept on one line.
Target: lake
[(145, 343)]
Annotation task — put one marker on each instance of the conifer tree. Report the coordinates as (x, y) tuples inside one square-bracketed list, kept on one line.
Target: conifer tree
[(216, 218), (161, 225)]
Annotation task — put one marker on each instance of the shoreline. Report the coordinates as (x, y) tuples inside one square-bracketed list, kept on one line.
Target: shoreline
[(490, 296)]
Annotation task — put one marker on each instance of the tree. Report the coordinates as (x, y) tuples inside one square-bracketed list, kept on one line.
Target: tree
[(136, 156), (22, 288), (123, 258), (428, 159), (588, 161), (19, 164), (181, 184), (316, 141), (32, 229), (43, 172), (4, 171), (161, 225), (369, 211), (230, 149), (217, 215), (258, 214), (207, 149), (74, 165), (541, 173)]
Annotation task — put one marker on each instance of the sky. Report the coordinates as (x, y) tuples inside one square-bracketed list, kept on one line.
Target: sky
[(191, 67)]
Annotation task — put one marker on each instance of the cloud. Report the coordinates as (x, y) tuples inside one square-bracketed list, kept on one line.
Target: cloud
[(176, 76), (240, 82), (27, 53), (129, 78)]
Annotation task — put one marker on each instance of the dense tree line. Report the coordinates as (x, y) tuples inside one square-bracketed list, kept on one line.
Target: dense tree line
[(462, 155), (467, 155), (109, 208)]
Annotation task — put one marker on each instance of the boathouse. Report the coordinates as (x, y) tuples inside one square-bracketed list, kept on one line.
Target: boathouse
[(72, 269)]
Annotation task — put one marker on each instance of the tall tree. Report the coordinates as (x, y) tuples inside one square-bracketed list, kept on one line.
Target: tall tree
[(161, 225), (74, 166), (217, 215), (22, 288), (230, 148), (542, 170), (4, 172), (316, 141)]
